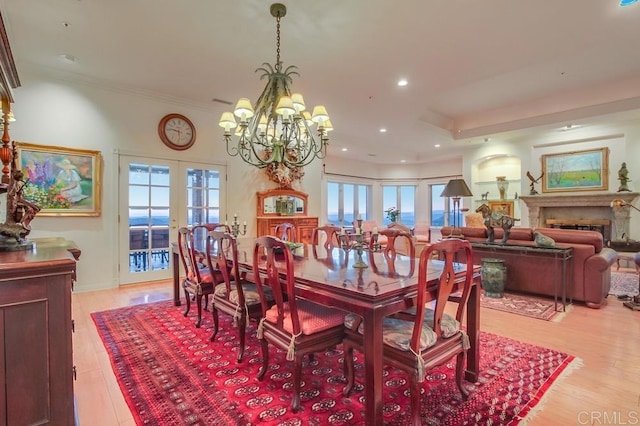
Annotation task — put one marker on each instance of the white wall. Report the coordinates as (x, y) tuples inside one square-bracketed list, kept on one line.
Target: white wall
[(86, 116)]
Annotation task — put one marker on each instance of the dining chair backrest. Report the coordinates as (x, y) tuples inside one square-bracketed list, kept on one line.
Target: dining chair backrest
[(185, 247), (450, 251), (329, 234), (200, 232), (286, 232), (274, 256), (398, 241), (222, 255)]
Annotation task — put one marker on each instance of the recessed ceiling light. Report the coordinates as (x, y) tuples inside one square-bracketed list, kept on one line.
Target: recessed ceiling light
[(402, 82), (437, 145), (344, 149), (570, 127), (403, 161), (383, 130)]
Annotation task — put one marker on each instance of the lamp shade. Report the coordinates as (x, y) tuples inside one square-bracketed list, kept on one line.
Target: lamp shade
[(456, 188)]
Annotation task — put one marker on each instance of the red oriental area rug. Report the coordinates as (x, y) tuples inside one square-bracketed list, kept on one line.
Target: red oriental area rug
[(171, 374)]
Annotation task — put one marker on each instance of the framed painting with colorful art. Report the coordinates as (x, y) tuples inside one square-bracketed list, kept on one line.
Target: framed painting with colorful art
[(576, 171), (61, 181)]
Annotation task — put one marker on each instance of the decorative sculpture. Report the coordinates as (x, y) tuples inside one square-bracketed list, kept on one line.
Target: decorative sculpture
[(532, 188), (20, 211), (485, 195), (623, 177), (493, 219)]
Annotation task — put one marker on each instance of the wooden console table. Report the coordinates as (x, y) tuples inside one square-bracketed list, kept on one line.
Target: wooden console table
[(561, 257)]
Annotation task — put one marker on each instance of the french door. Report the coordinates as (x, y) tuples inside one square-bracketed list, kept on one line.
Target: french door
[(157, 196)]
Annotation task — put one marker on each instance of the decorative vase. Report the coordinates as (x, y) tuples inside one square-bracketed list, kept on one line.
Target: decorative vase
[(503, 185), (493, 274)]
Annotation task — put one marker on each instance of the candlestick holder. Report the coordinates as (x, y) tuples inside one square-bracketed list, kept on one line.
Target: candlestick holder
[(235, 227), (359, 244)]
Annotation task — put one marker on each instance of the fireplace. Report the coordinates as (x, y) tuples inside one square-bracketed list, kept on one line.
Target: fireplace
[(580, 211)]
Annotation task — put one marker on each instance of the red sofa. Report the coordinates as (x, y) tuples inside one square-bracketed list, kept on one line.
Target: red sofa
[(590, 277)]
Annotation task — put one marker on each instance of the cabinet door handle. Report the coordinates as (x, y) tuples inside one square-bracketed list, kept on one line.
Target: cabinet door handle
[(75, 373), (73, 326)]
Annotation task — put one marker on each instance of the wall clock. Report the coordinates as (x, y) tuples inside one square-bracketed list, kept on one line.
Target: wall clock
[(177, 132)]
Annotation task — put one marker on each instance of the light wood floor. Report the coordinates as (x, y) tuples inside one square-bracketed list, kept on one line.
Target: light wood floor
[(606, 386)]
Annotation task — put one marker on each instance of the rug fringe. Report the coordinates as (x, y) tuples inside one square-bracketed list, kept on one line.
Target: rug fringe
[(559, 316), (573, 365)]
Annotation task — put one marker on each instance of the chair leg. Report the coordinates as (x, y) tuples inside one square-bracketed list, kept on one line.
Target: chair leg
[(241, 329), (348, 369), (214, 314), (460, 363), (199, 303), (187, 296), (265, 359), (297, 378), (415, 400)]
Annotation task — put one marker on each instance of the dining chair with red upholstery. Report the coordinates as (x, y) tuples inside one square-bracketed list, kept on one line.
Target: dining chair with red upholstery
[(199, 280), (297, 326), (329, 234), (286, 232), (432, 337), (235, 296)]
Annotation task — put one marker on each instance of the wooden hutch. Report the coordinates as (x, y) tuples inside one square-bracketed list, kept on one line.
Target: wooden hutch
[(277, 206)]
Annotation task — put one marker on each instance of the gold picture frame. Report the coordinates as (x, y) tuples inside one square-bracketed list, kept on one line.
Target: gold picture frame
[(61, 181), (503, 206), (586, 170)]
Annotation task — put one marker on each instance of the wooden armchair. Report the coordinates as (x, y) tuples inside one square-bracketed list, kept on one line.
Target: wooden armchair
[(234, 296), (286, 232), (431, 338), (295, 325)]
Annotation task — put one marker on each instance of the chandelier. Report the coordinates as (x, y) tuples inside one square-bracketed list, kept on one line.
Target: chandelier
[(278, 130)]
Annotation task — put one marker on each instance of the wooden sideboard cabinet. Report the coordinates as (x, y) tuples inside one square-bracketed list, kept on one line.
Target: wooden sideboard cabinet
[(36, 334), (278, 206), (304, 226)]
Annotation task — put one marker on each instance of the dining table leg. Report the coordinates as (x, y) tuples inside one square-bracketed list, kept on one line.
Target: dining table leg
[(176, 278), (373, 364), (473, 330)]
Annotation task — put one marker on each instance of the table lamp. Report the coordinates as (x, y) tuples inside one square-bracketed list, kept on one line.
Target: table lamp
[(456, 188)]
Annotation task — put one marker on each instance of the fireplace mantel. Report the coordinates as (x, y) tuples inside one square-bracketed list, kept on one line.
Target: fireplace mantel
[(578, 206)]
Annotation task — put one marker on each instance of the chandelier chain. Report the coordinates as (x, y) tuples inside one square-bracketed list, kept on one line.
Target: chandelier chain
[(278, 42)]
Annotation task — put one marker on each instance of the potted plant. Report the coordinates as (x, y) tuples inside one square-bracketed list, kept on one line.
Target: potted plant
[(392, 214)]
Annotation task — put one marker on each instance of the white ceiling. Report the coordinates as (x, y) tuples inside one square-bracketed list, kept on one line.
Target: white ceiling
[(476, 69)]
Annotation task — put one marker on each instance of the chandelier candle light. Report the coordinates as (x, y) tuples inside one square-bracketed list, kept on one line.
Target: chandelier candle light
[(278, 129)]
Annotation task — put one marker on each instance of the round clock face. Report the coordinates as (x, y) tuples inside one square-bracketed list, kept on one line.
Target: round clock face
[(177, 131)]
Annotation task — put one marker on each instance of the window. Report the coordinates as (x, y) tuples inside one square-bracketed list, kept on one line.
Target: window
[(402, 197), (438, 207), (347, 201)]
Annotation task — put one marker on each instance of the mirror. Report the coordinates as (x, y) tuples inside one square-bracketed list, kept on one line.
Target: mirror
[(282, 202)]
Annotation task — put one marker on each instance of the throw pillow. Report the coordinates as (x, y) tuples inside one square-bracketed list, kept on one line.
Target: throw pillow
[(543, 240)]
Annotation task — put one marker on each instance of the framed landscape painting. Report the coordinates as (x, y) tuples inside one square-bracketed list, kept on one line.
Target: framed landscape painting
[(61, 181), (504, 207), (576, 171)]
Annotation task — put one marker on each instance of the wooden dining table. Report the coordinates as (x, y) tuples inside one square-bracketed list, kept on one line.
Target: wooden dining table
[(329, 278)]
